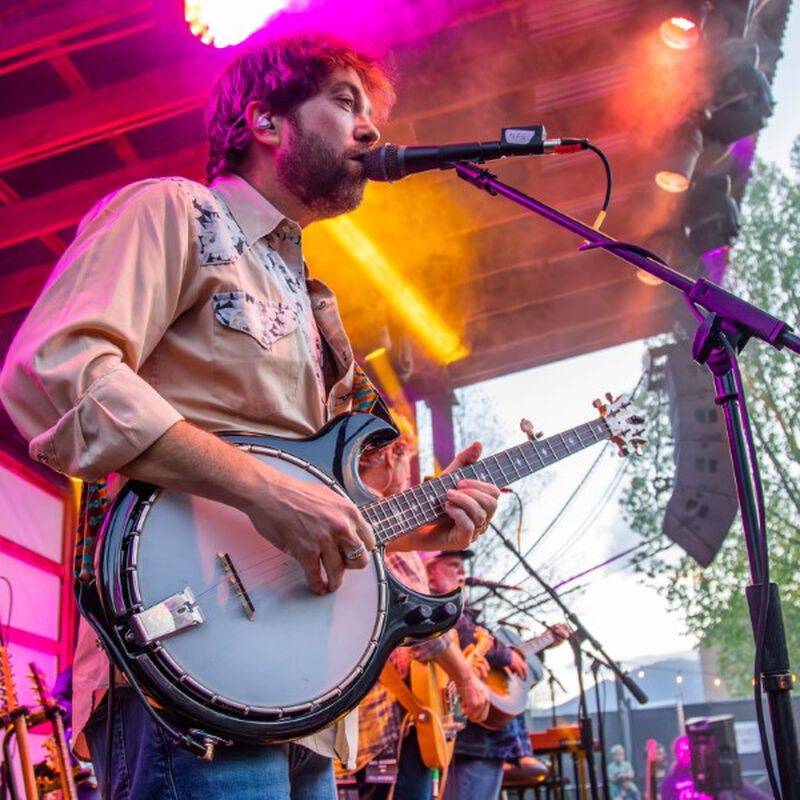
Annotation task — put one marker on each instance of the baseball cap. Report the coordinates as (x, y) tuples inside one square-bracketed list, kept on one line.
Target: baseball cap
[(432, 555)]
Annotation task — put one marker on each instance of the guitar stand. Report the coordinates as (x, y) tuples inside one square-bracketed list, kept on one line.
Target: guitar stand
[(730, 323)]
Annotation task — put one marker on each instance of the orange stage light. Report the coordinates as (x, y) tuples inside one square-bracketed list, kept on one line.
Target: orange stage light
[(672, 181), (680, 33), (428, 327)]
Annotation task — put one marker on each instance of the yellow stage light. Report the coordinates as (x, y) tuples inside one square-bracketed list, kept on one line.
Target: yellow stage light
[(376, 353), (437, 337)]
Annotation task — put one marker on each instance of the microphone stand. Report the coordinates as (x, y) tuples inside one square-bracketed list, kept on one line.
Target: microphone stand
[(581, 633), (584, 720), (726, 329), (601, 727)]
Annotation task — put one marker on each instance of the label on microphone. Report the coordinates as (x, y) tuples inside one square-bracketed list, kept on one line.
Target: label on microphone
[(523, 136)]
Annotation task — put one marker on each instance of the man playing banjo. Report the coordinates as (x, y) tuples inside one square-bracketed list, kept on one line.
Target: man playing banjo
[(181, 310)]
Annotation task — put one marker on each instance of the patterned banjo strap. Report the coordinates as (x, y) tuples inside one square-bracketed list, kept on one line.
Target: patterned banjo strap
[(367, 399), (93, 508)]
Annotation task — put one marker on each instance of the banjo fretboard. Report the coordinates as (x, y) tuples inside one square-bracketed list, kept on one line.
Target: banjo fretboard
[(395, 516)]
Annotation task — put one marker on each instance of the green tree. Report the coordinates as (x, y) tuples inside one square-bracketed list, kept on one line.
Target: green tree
[(764, 268)]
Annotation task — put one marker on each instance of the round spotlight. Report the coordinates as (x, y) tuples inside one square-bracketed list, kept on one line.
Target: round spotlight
[(680, 33), (680, 152), (649, 280), (673, 182)]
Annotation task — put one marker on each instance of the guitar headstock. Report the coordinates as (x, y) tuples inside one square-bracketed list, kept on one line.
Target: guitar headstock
[(625, 422), (8, 687), (39, 685)]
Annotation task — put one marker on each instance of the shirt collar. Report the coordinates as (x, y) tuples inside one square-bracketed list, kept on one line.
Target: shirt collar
[(256, 216)]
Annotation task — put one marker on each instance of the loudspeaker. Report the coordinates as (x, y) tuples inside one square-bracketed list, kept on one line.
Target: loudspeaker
[(699, 521), (715, 760), (703, 504)]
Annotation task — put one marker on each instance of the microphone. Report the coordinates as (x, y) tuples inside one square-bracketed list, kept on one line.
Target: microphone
[(491, 584), (391, 162)]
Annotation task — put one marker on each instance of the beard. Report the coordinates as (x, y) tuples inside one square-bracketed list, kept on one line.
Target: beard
[(322, 179)]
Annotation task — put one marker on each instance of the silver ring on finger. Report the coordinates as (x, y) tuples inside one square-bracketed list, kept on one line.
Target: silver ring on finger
[(355, 553)]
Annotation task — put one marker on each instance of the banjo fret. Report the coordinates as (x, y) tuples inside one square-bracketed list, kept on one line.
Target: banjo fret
[(401, 513)]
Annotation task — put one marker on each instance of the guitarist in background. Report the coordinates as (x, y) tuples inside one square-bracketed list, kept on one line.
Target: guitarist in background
[(388, 471), (477, 768)]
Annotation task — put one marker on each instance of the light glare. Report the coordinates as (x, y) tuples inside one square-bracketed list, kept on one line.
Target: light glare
[(680, 33), (431, 330), (672, 181), (227, 22)]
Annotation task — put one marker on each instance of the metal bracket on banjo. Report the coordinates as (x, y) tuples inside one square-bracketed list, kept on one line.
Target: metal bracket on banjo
[(177, 612)]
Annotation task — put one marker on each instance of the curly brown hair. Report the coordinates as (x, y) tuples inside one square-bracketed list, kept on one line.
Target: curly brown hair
[(282, 74)]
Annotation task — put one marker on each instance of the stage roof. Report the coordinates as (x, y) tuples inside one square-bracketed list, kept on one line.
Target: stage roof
[(97, 93)]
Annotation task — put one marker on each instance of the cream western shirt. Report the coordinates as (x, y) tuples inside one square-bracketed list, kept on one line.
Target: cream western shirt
[(175, 301)]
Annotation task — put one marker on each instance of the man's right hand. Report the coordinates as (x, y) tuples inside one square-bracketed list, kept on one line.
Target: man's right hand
[(474, 699), (305, 520), (314, 525)]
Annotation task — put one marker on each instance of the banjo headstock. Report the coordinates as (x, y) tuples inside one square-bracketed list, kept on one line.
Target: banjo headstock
[(625, 422)]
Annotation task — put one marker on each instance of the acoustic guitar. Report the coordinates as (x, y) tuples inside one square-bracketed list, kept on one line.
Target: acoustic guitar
[(57, 746), (11, 706), (508, 693), (442, 718)]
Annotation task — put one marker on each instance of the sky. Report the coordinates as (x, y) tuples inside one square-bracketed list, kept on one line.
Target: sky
[(629, 619)]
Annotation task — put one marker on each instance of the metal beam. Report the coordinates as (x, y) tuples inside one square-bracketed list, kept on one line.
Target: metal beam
[(526, 353), (36, 31), (66, 125), (59, 209)]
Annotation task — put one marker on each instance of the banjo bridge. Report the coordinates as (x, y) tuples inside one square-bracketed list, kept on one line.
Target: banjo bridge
[(238, 587), (177, 612)]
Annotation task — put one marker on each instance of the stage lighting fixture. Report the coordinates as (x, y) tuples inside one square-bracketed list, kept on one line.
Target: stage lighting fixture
[(228, 22), (742, 101), (681, 29), (710, 216), (679, 157)]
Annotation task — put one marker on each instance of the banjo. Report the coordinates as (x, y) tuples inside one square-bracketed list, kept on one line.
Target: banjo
[(214, 624)]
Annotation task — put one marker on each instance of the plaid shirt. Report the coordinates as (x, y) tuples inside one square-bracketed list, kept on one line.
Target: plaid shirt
[(380, 715)]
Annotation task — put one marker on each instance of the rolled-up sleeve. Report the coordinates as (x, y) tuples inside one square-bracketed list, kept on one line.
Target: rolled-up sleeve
[(70, 381)]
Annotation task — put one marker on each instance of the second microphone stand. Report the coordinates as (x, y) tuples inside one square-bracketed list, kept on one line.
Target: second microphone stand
[(580, 634)]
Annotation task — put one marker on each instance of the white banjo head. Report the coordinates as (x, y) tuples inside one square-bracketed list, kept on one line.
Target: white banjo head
[(298, 647)]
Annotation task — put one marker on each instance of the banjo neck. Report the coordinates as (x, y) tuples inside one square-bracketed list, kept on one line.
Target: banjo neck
[(394, 516)]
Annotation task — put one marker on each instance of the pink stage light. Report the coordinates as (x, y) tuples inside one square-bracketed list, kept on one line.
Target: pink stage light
[(227, 22)]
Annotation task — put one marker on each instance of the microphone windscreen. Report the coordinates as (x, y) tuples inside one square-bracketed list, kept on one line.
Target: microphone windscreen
[(383, 164)]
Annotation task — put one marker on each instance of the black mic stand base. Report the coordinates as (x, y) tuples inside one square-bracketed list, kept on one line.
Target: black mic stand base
[(776, 680)]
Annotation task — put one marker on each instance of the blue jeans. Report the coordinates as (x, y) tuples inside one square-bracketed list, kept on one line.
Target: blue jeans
[(473, 778), (147, 766)]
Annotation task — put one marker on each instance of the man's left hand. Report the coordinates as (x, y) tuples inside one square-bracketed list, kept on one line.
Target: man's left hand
[(518, 665), (470, 507)]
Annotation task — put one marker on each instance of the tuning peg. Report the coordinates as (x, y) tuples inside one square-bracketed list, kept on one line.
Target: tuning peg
[(600, 406), (526, 426)]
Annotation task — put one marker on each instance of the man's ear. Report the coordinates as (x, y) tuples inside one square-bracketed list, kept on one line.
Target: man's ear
[(264, 128)]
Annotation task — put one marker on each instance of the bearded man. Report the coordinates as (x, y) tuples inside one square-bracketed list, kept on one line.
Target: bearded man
[(181, 310)]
